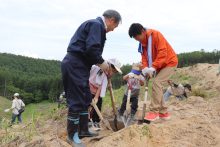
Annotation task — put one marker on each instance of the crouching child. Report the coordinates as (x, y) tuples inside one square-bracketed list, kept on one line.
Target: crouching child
[(135, 78), (178, 89)]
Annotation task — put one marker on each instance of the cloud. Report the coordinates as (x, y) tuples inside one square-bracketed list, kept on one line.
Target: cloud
[(44, 27), (51, 57), (27, 54)]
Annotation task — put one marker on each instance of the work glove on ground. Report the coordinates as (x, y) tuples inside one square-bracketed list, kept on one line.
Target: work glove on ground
[(104, 66), (94, 101), (130, 75), (148, 71), (136, 77)]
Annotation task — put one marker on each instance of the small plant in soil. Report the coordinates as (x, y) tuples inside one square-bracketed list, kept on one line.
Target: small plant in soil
[(144, 131)]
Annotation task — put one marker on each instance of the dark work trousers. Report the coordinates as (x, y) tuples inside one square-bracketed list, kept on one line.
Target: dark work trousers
[(93, 113), (75, 75), (134, 104)]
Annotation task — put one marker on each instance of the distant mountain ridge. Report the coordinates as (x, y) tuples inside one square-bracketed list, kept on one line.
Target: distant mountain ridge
[(34, 79), (28, 64)]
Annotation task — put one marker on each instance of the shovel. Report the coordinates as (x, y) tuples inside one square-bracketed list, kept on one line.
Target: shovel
[(97, 109), (99, 114), (140, 122), (171, 85), (115, 124), (127, 120)]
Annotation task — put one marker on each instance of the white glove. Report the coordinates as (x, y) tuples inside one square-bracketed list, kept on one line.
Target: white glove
[(94, 101), (144, 71), (148, 71), (130, 75), (104, 66), (136, 77), (6, 110)]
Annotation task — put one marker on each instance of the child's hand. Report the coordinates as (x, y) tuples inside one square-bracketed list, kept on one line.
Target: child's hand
[(137, 77), (94, 101), (131, 75)]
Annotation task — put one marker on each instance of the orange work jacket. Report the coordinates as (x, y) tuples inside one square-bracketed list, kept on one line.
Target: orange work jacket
[(163, 54)]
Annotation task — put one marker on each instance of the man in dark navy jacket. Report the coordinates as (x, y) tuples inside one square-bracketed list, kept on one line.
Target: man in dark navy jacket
[(84, 50)]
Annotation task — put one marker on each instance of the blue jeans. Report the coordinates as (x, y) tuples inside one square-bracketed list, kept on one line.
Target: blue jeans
[(168, 95), (14, 117)]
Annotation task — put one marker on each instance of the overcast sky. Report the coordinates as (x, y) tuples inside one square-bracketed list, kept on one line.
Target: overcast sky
[(43, 28)]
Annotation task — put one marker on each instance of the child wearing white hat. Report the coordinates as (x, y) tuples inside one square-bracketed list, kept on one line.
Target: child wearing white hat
[(98, 80)]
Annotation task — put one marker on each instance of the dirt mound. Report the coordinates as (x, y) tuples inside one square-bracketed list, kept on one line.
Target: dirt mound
[(206, 75), (193, 123)]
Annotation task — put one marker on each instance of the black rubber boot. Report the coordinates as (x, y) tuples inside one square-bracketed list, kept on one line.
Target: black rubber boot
[(72, 128), (83, 125), (120, 113), (134, 118)]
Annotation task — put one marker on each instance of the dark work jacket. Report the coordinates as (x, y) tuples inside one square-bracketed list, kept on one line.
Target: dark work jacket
[(88, 41)]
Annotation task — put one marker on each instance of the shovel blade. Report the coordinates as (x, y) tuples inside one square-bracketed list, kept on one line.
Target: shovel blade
[(116, 125), (129, 122), (105, 124), (140, 122), (123, 119)]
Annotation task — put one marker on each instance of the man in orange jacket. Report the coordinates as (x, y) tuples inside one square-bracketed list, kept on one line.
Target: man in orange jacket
[(157, 55)]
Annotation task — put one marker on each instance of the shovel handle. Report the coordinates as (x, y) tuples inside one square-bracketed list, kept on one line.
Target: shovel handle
[(171, 85), (128, 99), (111, 91), (98, 112), (145, 97), (112, 96)]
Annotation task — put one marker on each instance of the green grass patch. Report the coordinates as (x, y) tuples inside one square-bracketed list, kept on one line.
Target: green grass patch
[(40, 108), (183, 83), (181, 75), (5, 104)]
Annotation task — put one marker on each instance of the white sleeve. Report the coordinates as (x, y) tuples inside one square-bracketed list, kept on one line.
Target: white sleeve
[(13, 105), (104, 86), (22, 103), (142, 78), (93, 68)]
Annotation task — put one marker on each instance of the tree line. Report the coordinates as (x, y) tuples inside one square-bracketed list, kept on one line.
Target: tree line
[(34, 79), (192, 58), (39, 79)]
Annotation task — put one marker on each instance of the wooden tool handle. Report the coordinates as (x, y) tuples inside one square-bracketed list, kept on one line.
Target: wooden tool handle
[(173, 90), (98, 93), (128, 99), (98, 112), (145, 97), (112, 96)]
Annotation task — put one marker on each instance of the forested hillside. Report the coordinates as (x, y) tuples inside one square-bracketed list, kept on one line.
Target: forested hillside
[(39, 79), (34, 79), (192, 58)]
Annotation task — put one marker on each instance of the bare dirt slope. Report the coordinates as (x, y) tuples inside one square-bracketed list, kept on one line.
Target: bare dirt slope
[(206, 75), (194, 122)]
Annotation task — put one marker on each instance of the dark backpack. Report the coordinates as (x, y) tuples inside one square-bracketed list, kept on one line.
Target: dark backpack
[(22, 108)]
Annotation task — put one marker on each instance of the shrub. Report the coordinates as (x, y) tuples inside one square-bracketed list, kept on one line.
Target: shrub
[(183, 83), (185, 78), (199, 92)]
